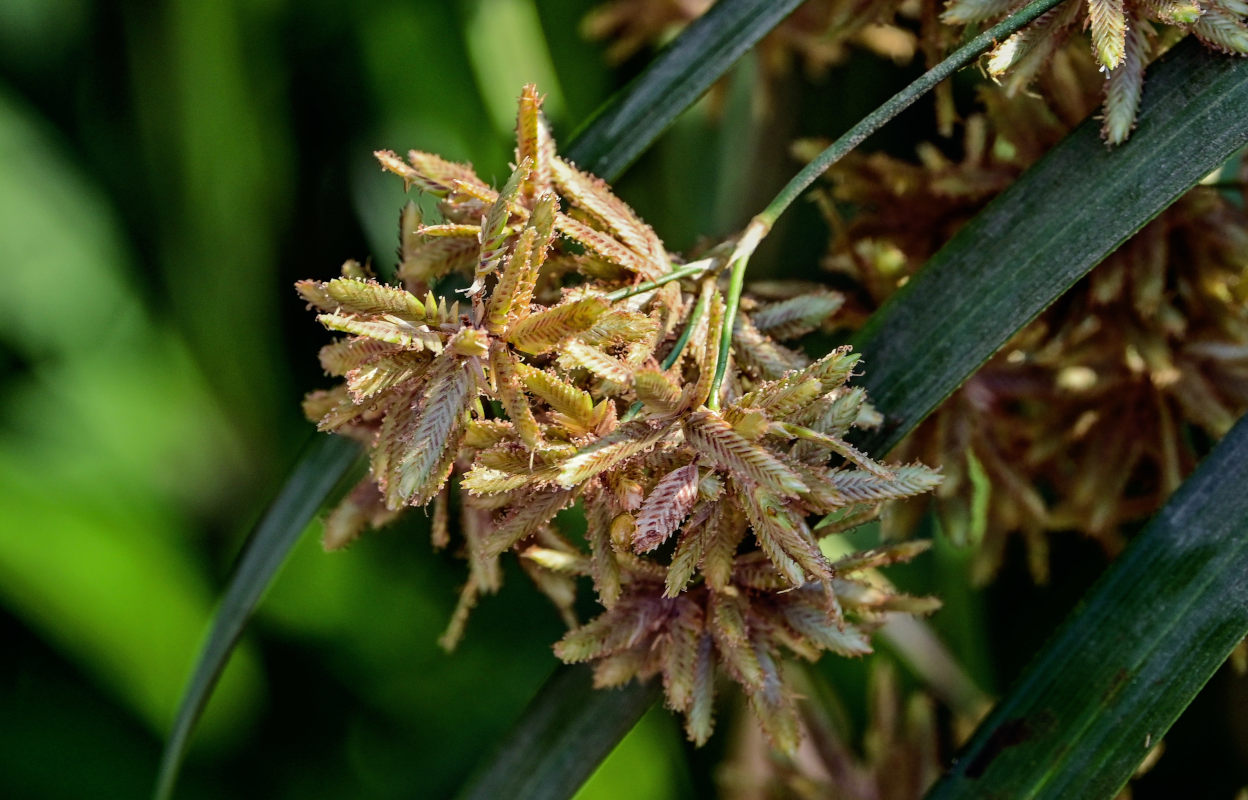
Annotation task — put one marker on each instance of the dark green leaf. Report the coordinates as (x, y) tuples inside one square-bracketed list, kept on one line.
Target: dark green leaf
[(1117, 674), (321, 468), (564, 734), (1045, 232), (632, 119)]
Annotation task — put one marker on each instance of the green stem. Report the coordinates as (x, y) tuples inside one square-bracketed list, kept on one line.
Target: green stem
[(750, 237), (695, 317), (765, 219), (896, 104), (687, 271)]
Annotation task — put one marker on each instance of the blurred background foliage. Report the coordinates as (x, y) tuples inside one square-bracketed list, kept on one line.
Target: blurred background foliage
[(168, 168)]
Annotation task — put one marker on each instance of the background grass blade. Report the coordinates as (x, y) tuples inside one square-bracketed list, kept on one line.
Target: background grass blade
[(631, 120), (568, 729), (326, 462), (1123, 667), (1035, 240)]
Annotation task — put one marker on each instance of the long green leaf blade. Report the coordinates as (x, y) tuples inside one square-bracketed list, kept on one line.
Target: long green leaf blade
[(323, 465), (1035, 240), (566, 732), (631, 120), (1120, 670)]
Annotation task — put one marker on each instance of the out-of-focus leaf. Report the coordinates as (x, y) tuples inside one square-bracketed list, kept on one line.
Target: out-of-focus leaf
[(1125, 664), (508, 49), (627, 124), (107, 428), (219, 176), (568, 729), (322, 468), (1045, 232)]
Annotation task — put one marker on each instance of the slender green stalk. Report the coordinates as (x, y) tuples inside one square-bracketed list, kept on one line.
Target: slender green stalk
[(898, 103), (762, 223), (746, 245), (687, 271), (695, 317)]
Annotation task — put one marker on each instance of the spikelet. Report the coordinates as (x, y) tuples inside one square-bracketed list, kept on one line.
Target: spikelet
[(595, 197), (1122, 90), (910, 479), (512, 397), (797, 316), (526, 519), (544, 330), (363, 297), (391, 329), (427, 172), (965, 12), (760, 354), (514, 276), (626, 441), (708, 355), (666, 506), (657, 392), (787, 541), (1109, 31), (382, 374), (574, 354), (1222, 30), (1172, 12), (680, 656), (493, 232), (533, 144), (609, 249), (715, 440), (344, 355), (575, 406), (435, 258)]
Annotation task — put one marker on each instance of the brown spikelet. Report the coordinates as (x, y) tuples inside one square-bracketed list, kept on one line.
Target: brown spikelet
[(524, 520), (786, 540), (626, 441), (760, 354), (667, 504), (347, 354), (435, 258), (715, 439), (680, 655), (575, 354), (594, 196), (1108, 23), (575, 405), (512, 397), (427, 172), (541, 332), (608, 248), (533, 143), (515, 274), (390, 329), (657, 392), (417, 464)]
